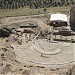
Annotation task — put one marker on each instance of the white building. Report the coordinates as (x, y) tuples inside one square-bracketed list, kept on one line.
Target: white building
[(58, 19)]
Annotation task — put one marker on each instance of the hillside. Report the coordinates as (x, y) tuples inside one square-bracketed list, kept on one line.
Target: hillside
[(15, 4)]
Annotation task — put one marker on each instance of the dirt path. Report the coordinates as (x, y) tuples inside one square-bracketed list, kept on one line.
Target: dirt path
[(20, 19)]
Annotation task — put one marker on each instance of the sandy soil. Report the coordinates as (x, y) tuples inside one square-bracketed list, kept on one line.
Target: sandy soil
[(11, 20), (8, 63)]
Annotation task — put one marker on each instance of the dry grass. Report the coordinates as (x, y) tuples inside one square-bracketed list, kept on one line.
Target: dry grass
[(28, 11)]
